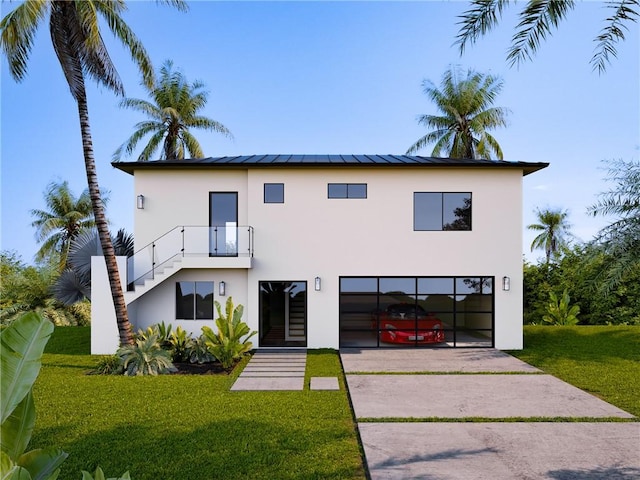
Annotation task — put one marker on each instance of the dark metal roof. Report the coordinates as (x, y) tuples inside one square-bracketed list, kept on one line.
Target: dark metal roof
[(274, 161)]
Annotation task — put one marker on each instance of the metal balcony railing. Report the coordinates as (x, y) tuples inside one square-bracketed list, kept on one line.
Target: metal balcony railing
[(191, 241)]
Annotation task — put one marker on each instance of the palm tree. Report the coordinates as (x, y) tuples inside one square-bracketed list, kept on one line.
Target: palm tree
[(465, 105), (538, 18), (172, 111), (554, 231), (66, 217), (75, 33), (620, 240)]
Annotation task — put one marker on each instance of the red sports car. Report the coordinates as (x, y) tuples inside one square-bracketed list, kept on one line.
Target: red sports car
[(406, 323)]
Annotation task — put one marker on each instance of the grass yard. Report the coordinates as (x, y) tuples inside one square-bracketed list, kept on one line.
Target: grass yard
[(190, 427), (602, 360)]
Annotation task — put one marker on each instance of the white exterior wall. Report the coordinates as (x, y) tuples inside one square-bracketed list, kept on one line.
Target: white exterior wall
[(105, 338), (311, 235)]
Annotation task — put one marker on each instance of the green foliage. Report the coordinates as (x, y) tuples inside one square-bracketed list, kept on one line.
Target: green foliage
[(180, 345), (145, 357), (172, 113), (108, 365), (466, 116), (554, 232), (22, 344), (560, 311), (99, 475), (579, 272), (199, 351), (28, 288), (227, 344)]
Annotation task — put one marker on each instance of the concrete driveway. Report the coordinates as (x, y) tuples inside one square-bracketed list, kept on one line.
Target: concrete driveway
[(440, 414)]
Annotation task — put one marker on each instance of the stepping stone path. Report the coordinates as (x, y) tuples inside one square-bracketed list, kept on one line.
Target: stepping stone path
[(273, 370)]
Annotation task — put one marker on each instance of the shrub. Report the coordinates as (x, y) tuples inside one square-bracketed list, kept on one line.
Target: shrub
[(560, 311), (108, 365), (99, 475), (145, 357), (227, 344), (199, 352), (180, 344)]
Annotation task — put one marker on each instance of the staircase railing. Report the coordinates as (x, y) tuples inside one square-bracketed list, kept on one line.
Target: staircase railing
[(191, 241)]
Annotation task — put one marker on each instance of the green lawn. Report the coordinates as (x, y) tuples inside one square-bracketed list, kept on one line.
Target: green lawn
[(193, 427), (602, 360), (190, 427)]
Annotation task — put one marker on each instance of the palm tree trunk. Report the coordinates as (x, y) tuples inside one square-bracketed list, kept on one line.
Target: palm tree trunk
[(122, 317)]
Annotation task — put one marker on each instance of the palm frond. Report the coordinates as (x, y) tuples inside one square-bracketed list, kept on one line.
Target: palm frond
[(537, 20), (478, 20), (613, 32)]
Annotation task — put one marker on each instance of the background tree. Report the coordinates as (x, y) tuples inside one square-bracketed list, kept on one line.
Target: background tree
[(66, 217), (173, 111), (461, 131), (75, 34), (554, 232), (537, 20), (620, 240)]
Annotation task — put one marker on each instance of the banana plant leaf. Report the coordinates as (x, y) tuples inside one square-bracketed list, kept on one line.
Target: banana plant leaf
[(16, 430), (43, 464), (22, 344)]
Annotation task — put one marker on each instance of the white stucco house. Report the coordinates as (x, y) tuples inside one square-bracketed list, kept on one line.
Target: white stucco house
[(326, 250)]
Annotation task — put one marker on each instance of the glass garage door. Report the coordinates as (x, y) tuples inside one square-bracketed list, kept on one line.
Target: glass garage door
[(416, 311)]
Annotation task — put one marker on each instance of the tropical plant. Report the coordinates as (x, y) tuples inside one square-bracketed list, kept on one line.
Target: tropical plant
[(64, 219), (145, 357), (620, 240), (560, 311), (554, 232), (461, 130), (99, 475), (108, 365), (74, 283), (180, 341), (537, 20), (28, 288), (199, 352), (22, 345), (75, 34), (227, 345), (173, 111)]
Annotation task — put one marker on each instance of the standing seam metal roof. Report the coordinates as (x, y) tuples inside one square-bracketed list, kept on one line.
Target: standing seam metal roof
[(328, 161)]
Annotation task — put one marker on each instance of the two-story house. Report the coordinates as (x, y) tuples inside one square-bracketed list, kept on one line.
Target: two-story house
[(327, 250)]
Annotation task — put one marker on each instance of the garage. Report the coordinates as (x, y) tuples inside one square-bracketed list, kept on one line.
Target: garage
[(422, 312)]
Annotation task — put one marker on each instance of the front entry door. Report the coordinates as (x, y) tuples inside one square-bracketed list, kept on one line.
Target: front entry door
[(283, 314), (223, 224)]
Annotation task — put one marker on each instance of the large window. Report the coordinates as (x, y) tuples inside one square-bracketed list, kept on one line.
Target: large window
[(416, 311), (347, 190), (194, 300), (274, 193), (441, 211)]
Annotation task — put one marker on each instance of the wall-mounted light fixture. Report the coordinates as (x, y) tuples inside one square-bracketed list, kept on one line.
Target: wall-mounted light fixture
[(506, 283), (222, 289), (318, 284), (140, 202)]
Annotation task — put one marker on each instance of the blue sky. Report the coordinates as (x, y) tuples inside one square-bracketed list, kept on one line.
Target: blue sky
[(328, 77)]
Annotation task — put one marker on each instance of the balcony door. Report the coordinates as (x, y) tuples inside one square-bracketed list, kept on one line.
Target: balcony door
[(223, 224)]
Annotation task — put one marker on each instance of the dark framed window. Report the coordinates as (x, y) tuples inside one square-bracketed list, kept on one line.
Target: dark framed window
[(274, 193), (194, 300), (347, 190), (441, 211)]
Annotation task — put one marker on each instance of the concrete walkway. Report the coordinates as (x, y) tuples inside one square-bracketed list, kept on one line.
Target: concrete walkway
[(489, 384), (273, 370)]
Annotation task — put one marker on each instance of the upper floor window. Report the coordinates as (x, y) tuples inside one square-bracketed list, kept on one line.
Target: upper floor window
[(441, 211), (347, 190), (274, 193), (194, 300)]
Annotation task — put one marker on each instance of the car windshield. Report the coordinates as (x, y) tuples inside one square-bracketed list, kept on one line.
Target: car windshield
[(405, 310)]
